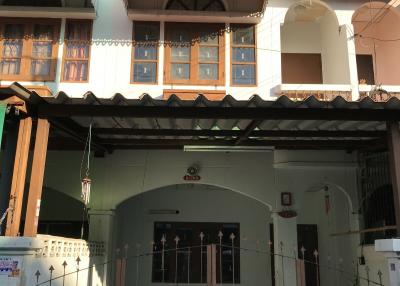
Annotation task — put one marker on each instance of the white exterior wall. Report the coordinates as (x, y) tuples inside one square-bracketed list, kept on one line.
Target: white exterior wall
[(257, 178), (110, 65)]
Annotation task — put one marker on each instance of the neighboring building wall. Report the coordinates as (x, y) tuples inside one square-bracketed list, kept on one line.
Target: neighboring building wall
[(385, 53)]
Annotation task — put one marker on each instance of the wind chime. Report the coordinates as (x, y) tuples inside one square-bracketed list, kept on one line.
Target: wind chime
[(85, 180)]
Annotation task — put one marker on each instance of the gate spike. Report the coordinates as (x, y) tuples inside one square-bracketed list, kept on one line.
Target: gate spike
[(51, 269), (78, 260), (232, 236), (37, 274), (201, 236), (64, 264), (315, 253)]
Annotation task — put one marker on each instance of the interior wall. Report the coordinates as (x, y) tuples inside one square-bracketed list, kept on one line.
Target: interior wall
[(196, 203), (386, 55), (301, 37)]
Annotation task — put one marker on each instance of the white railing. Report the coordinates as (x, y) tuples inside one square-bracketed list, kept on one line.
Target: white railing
[(54, 246), (321, 91)]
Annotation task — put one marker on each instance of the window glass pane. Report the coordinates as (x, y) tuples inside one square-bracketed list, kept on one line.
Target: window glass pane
[(145, 53), (215, 6), (243, 74), (243, 55), (180, 71), (77, 51), (175, 5), (210, 36), (42, 49), (40, 67), (14, 31), (145, 72), (43, 32), (12, 49), (10, 66), (243, 35), (180, 36), (78, 31), (146, 31), (208, 71), (75, 70), (208, 54), (13, 43), (180, 54)]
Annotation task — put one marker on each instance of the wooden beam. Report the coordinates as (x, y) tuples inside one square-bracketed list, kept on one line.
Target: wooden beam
[(191, 112), (394, 162), (368, 230), (236, 133), (37, 175), (77, 132), (223, 142), (19, 174), (249, 129)]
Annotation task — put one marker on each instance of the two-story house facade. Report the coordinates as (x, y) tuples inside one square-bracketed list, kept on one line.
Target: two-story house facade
[(168, 142)]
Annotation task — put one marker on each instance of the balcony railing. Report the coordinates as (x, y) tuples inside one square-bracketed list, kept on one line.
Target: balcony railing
[(324, 92)]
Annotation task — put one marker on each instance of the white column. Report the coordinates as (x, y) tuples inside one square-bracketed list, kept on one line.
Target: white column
[(351, 47), (101, 229), (285, 248), (227, 59), (60, 50)]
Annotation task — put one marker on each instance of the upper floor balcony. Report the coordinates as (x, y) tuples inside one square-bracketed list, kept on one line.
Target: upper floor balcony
[(214, 47), (48, 8)]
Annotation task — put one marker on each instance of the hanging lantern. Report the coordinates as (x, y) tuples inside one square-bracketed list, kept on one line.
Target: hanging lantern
[(86, 184)]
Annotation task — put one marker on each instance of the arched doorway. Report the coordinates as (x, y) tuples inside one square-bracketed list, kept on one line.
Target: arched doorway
[(376, 32), (314, 48), (189, 211), (60, 215)]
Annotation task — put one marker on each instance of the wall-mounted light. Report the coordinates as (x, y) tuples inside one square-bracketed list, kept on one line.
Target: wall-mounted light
[(164, 212)]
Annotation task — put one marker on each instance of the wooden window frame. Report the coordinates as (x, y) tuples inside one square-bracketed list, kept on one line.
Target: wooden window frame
[(27, 48), (133, 60), (88, 59), (194, 56), (254, 46)]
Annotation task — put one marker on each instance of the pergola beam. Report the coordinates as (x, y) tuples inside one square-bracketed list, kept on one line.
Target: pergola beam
[(248, 142), (76, 132), (249, 129), (237, 133), (262, 113)]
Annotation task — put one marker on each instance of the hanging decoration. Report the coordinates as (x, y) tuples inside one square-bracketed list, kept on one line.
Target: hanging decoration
[(85, 180)]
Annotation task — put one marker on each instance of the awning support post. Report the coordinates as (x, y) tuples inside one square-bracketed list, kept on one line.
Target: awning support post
[(394, 161), (37, 176), (18, 179)]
